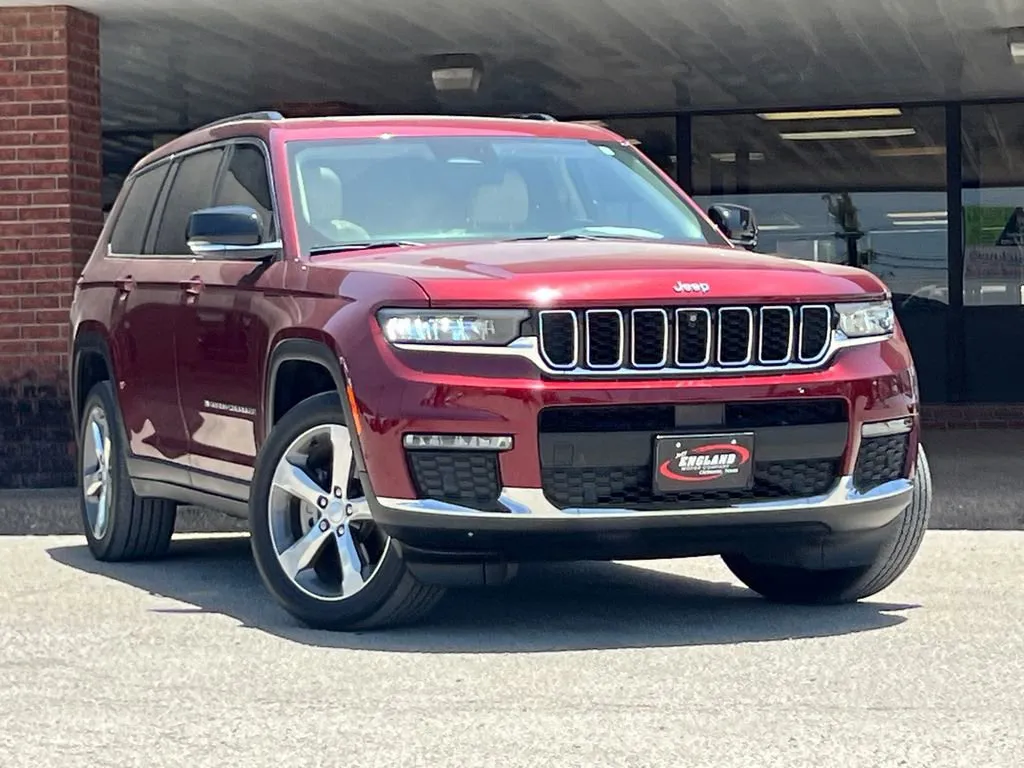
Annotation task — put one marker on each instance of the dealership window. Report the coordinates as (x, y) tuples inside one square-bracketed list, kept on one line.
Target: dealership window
[(864, 188), (993, 203)]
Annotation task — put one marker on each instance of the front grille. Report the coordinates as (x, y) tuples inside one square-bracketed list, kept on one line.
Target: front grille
[(690, 338), (468, 478), (880, 460), (631, 486)]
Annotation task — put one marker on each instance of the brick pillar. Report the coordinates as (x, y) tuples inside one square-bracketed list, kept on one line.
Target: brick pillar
[(50, 216)]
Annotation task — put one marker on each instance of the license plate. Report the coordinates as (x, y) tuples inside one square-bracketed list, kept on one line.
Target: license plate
[(695, 463)]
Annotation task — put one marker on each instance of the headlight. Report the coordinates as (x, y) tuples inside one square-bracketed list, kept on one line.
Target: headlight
[(494, 327), (870, 318)]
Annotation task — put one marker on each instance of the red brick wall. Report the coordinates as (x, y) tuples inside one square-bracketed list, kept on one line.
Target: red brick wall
[(50, 215)]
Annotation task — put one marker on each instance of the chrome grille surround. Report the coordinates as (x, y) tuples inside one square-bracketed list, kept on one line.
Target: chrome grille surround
[(732, 338)]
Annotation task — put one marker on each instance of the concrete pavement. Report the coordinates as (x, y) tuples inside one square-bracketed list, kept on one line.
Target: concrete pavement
[(187, 662)]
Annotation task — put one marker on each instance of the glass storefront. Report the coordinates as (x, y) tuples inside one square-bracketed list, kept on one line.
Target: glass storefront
[(993, 256), (865, 188)]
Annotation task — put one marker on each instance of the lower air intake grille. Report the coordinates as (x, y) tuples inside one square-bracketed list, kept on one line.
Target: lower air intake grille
[(880, 460), (468, 478), (631, 486)]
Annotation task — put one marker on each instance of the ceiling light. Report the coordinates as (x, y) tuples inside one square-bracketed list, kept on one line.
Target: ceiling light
[(915, 214), (921, 223), (730, 157), (456, 72), (863, 133), (827, 114), (908, 151), (1015, 40), (777, 227)]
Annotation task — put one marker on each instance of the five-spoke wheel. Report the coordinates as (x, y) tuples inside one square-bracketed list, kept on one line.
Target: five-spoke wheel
[(314, 539)]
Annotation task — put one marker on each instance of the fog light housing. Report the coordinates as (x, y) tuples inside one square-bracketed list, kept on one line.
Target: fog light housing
[(888, 427), (427, 442)]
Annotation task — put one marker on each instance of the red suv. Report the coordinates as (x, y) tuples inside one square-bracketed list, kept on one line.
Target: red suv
[(417, 351)]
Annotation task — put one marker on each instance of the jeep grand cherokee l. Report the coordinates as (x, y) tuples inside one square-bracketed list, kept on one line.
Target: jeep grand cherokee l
[(417, 351)]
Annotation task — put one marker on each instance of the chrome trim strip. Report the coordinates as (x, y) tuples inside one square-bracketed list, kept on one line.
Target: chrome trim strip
[(707, 343), (575, 338), (760, 336), (527, 347), (622, 339), (900, 426), (664, 338), (750, 337), (531, 504), (801, 357)]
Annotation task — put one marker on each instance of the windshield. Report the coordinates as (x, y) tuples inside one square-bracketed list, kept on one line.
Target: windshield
[(448, 189)]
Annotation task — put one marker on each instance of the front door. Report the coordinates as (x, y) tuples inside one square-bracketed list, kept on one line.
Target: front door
[(224, 335)]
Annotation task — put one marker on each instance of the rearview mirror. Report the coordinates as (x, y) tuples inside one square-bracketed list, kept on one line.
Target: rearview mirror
[(229, 232), (736, 222)]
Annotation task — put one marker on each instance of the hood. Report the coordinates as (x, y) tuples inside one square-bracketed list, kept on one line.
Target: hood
[(581, 272)]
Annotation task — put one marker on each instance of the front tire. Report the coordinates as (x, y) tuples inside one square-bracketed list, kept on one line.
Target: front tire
[(785, 584), (118, 524), (314, 540)]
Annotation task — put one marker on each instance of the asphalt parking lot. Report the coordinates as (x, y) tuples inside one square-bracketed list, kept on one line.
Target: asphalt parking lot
[(188, 663)]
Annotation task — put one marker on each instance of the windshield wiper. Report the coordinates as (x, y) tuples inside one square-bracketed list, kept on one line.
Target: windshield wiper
[(367, 245)]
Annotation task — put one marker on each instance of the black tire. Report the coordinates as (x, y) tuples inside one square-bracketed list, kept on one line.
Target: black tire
[(137, 528), (391, 597), (804, 586)]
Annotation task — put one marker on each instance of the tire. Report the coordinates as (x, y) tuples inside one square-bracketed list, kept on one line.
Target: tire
[(316, 547), (804, 586), (118, 524)]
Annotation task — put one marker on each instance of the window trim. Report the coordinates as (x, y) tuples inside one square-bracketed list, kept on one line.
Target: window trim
[(174, 161), (118, 210)]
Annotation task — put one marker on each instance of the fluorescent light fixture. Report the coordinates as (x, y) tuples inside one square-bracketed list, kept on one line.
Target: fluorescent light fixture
[(920, 223), (829, 114), (730, 157), (908, 151), (861, 133), (456, 72), (777, 227), (916, 214), (1015, 40)]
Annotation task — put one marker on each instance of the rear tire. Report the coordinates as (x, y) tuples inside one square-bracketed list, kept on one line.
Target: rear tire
[(314, 541), (785, 584), (118, 524)]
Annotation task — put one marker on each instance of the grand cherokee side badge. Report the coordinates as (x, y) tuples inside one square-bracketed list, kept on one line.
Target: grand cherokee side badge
[(682, 287)]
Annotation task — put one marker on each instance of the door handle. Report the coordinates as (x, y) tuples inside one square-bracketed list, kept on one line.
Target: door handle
[(125, 284), (193, 286)]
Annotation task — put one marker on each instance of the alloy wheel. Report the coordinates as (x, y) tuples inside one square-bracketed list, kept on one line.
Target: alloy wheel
[(321, 528), (96, 476)]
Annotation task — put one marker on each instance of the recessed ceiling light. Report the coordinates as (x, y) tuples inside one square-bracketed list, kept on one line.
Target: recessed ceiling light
[(908, 151), (862, 133), (730, 157), (828, 114), (915, 214)]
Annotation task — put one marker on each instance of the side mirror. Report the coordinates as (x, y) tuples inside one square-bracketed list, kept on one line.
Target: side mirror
[(736, 222), (229, 232)]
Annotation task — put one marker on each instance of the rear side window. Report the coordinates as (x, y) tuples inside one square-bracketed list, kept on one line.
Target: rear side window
[(129, 233), (191, 189), (245, 182)]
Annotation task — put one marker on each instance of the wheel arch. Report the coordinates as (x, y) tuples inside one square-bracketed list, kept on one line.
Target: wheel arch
[(318, 352), (91, 362)]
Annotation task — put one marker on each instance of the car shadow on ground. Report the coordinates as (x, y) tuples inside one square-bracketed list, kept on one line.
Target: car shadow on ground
[(572, 606)]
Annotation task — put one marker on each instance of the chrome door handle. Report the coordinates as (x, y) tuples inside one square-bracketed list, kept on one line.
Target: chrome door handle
[(125, 284), (192, 287)]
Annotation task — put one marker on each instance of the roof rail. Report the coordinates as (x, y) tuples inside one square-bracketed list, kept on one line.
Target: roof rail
[(267, 114), (534, 116)]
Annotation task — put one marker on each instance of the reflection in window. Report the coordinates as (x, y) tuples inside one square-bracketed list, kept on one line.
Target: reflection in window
[(865, 189)]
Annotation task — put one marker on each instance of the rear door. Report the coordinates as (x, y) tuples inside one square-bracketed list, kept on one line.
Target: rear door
[(142, 334)]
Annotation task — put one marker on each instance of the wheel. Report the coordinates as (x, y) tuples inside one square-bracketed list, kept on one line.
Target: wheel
[(118, 524), (808, 587), (316, 546)]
